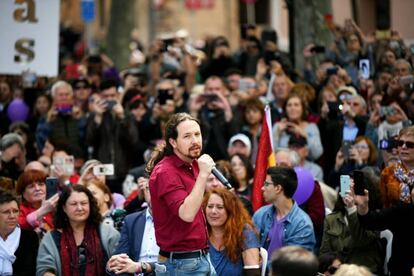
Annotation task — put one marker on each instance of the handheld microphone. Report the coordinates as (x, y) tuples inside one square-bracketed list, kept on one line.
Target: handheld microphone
[(221, 178)]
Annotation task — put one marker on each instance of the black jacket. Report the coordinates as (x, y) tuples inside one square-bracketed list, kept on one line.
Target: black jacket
[(26, 254), (399, 219)]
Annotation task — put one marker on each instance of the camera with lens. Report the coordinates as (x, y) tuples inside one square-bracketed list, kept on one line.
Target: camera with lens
[(386, 111), (164, 95), (64, 109), (110, 104), (331, 71), (210, 97), (388, 144), (335, 109)]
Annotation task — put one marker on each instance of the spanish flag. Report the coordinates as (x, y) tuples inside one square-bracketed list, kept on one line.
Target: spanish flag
[(265, 159)]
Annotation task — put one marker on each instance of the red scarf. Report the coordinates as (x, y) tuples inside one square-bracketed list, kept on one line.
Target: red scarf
[(69, 252)]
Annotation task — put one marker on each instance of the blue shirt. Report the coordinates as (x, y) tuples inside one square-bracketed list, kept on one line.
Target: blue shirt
[(298, 227), (149, 248), (349, 132), (223, 265)]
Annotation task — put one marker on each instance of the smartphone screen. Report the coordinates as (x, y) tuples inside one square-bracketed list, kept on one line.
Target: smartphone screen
[(346, 146), (243, 85), (52, 186), (318, 49), (345, 184), (104, 169), (359, 184), (210, 97), (364, 68), (66, 164)]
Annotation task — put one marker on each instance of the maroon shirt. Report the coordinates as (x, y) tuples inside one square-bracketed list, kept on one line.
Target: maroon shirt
[(171, 181)]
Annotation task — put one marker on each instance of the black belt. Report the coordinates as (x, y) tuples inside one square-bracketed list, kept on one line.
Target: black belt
[(184, 255)]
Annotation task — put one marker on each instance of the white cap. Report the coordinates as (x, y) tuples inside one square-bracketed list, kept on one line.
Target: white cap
[(243, 138)]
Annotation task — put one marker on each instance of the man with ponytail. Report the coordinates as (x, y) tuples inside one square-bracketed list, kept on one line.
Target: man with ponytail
[(178, 177)]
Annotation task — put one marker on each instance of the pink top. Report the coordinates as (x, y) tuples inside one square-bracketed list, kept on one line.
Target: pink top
[(28, 218)]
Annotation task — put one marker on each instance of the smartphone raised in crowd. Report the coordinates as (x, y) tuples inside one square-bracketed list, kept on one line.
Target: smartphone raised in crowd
[(210, 97), (359, 182), (52, 186), (65, 163), (318, 49), (364, 68), (104, 169), (346, 147), (345, 181), (245, 85)]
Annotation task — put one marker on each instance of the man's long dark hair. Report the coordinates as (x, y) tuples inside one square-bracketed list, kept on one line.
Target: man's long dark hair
[(170, 132)]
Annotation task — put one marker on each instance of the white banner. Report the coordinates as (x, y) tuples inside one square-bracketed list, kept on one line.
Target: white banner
[(29, 32)]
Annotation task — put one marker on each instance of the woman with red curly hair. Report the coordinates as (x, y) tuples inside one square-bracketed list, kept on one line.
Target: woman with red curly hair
[(233, 242)]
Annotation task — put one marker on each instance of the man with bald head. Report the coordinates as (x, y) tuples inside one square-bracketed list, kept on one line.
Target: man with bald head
[(37, 166)]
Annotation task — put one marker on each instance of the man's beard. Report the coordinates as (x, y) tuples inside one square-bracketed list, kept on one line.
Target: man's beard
[(194, 152)]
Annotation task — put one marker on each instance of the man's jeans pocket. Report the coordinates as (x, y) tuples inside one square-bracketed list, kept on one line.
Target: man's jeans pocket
[(188, 265)]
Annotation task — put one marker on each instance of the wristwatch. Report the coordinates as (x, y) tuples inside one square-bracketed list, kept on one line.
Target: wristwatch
[(144, 267)]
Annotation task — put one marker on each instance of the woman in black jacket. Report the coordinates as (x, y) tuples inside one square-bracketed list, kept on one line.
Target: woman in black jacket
[(18, 247)]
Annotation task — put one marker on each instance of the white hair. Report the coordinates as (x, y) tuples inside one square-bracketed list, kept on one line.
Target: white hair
[(293, 156), (361, 101), (58, 85)]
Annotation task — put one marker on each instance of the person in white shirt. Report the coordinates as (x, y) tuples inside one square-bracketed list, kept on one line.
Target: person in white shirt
[(137, 250)]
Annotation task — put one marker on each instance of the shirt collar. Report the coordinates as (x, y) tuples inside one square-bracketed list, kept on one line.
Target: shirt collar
[(178, 162)]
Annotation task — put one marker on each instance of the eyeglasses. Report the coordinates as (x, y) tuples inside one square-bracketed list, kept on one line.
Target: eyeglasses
[(408, 144), (360, 146), (267, 183)]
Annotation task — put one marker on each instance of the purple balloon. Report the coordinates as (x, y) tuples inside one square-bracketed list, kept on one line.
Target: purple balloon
[(17, 111), (306, 184)]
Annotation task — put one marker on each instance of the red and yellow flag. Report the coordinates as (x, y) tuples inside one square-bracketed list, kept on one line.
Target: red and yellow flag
[(265, 159)]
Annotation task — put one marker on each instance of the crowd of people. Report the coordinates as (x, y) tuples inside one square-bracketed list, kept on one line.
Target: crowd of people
[(105, 170)]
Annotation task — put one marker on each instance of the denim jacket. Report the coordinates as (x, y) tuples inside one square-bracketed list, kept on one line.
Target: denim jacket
[(298, 228)]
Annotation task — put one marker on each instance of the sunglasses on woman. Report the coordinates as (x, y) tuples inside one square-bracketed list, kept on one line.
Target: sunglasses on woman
[(408, 144)]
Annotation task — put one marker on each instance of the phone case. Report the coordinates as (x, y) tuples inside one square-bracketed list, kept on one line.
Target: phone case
[(359, 183), (345, 184), (52, 186)]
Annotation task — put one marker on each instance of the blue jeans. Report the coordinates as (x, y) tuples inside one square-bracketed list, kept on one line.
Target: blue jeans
[(199, 266)]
